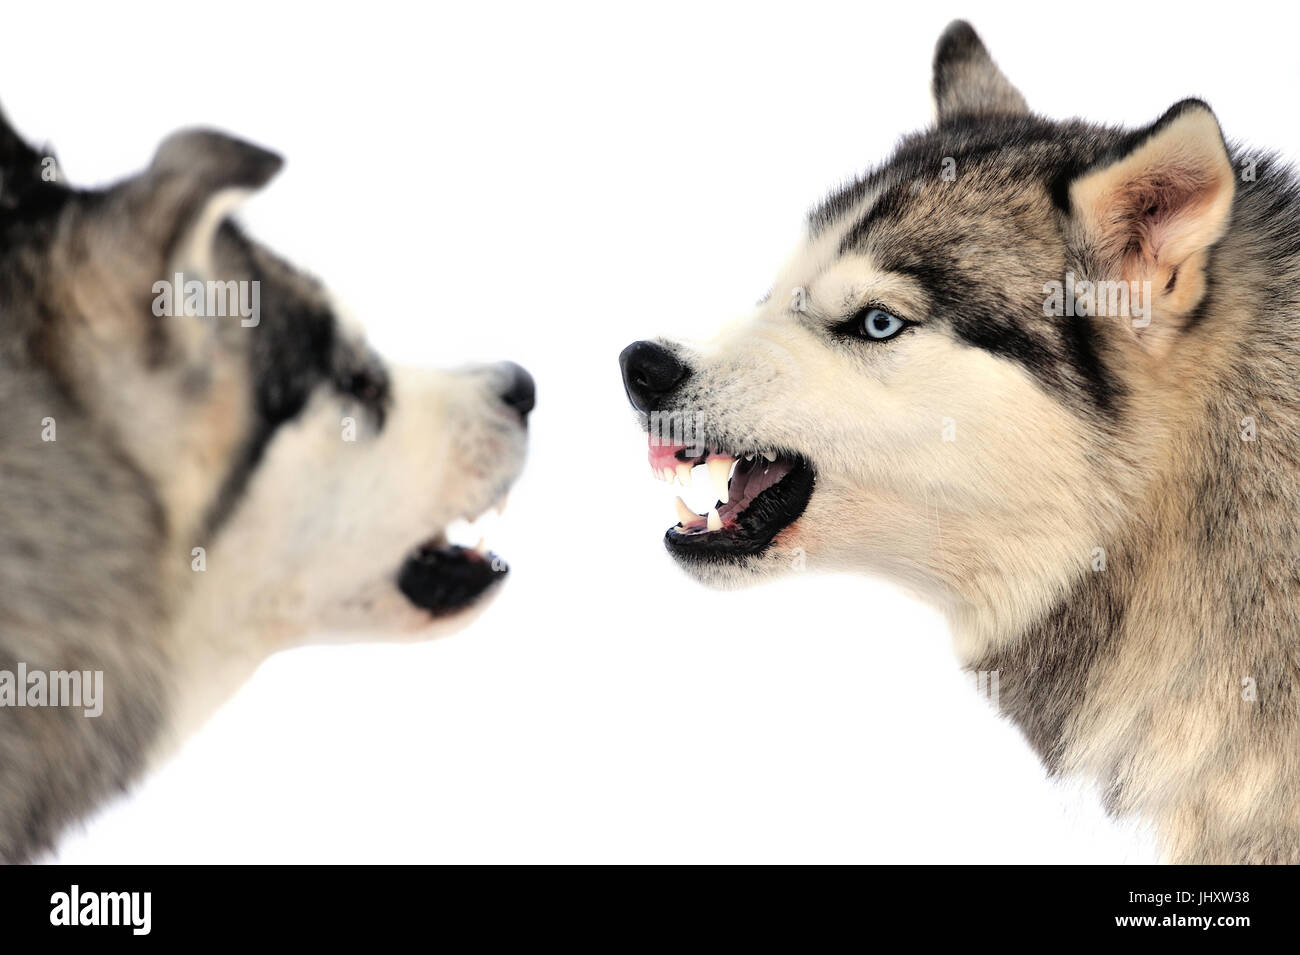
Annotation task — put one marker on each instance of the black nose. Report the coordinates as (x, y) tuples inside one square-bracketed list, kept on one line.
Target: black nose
[(650, 371), (519, 390)]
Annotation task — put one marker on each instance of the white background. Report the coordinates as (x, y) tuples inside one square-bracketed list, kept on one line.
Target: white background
[(605, 175)]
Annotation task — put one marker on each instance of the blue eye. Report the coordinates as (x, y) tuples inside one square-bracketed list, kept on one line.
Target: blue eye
[(880, 326)]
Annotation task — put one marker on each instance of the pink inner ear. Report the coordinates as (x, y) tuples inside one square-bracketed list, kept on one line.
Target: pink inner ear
[(1156, 209)]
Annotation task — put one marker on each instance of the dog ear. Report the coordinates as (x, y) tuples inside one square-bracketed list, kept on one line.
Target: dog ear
[(196, 179), (24, 172), (1150, 211), (967, 81), (165, 221)]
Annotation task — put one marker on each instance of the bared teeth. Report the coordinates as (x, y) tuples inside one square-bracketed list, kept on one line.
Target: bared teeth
[(684, 474), (769, 456), (685, 515), (719, 471), (714, 520)]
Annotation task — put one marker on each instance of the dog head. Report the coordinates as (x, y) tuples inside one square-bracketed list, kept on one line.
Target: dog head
[(216, 410), (927, 392)]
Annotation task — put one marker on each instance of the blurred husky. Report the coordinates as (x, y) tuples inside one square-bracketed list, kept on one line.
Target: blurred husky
[(183, 489), (1047, 375)]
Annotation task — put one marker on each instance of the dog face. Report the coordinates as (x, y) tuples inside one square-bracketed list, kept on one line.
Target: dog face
[(296, 481), (204, 463), (911, 399)]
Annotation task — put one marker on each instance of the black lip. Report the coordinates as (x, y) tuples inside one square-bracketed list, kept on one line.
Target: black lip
[(444, 580), (770, 513)]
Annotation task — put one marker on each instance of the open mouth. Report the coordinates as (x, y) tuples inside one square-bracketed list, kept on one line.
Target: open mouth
[(444, 577), (759, 494)]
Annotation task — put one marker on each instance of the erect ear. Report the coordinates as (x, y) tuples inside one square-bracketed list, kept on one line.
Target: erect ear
[(196, 179), (967, 81), (24, 172), (1151, 210), (164, 222)]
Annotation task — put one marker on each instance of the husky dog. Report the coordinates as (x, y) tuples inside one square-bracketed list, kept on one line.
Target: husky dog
[(186, 489), (1046, 375)]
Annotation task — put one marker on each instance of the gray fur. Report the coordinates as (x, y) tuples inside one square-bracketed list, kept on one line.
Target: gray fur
[(80, 593), (84, 532)]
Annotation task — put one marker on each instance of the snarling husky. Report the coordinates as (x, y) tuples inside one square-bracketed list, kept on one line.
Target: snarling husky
[(1045, 375), (191, 481)]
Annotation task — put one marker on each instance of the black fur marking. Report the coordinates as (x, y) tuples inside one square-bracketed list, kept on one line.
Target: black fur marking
[(291, 351), (1059, 184), (1083, 351), (1043, 677), (29, 203), (890, 206), (1008, 169), (368, 382)]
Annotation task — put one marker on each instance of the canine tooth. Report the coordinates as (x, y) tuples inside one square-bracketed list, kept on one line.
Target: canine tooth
[(749, 457), (684, 514), (684, 474), (481, 546), (501, 504), (714, 522), (769, 456), (719, 471)]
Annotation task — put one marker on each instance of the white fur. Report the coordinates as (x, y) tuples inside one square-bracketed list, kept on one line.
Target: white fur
[(986, 526), (325, 524)]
